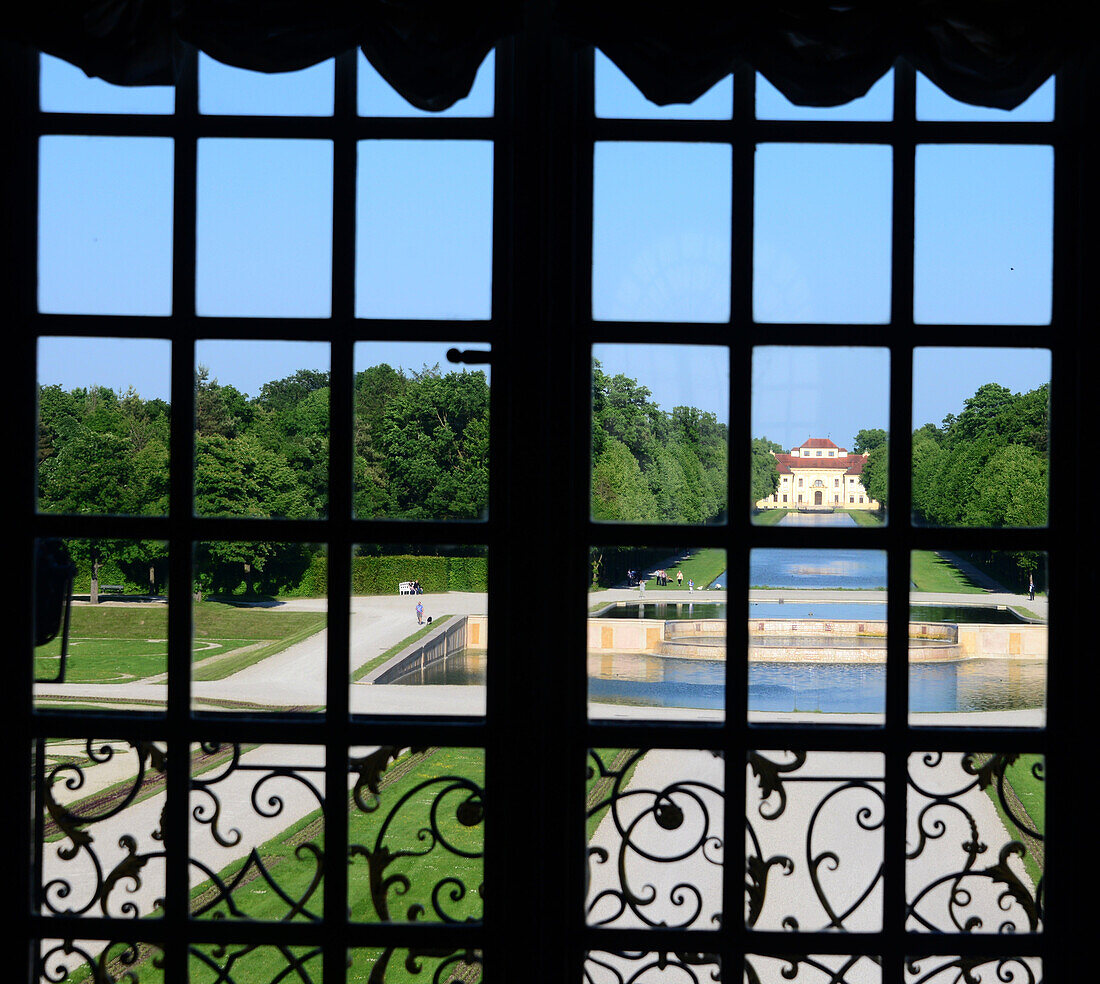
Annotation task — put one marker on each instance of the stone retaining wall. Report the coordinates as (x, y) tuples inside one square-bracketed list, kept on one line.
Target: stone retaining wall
[(949, 641), (435, 646)]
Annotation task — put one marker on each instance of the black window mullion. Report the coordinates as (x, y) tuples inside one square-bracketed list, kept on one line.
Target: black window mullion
[(895, 732), (179, 733)]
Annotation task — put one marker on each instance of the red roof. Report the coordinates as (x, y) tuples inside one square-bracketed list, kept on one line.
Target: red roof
[(851, 463), (818, 442)]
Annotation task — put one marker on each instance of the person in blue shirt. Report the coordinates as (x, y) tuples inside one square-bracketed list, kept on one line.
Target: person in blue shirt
[(419, 613)]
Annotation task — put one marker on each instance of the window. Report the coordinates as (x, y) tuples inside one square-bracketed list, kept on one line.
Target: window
[(530, 742)]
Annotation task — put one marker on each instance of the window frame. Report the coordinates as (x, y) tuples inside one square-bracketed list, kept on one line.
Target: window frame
[(542, 333)]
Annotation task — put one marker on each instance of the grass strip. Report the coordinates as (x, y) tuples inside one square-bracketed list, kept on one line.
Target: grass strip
[(376, 661), (598, 787), (931, 572), (864, 517), (769, 517), (1027, 797)]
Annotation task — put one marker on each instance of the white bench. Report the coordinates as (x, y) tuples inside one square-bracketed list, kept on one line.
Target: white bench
[(405, 587)]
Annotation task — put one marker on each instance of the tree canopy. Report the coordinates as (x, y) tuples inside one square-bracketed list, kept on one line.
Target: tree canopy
[(421, 451), (653, 465)]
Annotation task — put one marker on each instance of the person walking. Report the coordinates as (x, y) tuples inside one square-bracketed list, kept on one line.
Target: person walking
[(679, 579), (691, 585), (1031, 587), (419, 613)]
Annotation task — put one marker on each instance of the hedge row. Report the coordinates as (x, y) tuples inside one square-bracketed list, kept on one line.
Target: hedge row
[(383, 575)]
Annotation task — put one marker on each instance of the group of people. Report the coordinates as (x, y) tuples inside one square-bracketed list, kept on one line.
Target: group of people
[(661, 576), (416, 588)]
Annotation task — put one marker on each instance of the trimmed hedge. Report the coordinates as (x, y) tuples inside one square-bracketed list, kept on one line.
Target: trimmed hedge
[(383, 575)]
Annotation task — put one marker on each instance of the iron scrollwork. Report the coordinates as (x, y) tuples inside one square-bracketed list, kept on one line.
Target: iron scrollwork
[(78, 874), (956, 827), (665, 837), (972, 970), (432, 966), (244, 963), (824, 801), (813, 968), (286, 792), (644, 967), (437, 808), (111, 963)]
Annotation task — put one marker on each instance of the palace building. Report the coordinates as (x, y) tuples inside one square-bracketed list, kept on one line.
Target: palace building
[(819, 475)]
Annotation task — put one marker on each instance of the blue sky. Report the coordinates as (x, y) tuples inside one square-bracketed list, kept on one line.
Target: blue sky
[(661, 249)]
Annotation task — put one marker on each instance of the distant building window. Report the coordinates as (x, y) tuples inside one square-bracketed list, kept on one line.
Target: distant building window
[(784, 498), (861, 498), (819, 454), (800, 498), (800, 485), (851, 498), (836, 498), (836, 482)]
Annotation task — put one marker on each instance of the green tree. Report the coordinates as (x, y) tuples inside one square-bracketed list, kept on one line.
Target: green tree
[(764, 469), (869, 439)]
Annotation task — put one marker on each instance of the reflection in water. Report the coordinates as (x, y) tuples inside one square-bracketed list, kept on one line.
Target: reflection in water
[(827, 611), (817, 519), (966, 685), (796, 568), (655, 681)]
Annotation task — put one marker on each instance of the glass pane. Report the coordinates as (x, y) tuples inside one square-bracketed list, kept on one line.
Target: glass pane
[(264, 228), (101, 805), (813, 838), (378, 98), (105, 225), (817, 635), (819, 444), (259, 618), (419, 629), (654, 823), (934, 104), (877, 104), (617, 967), (64, 88), (661, 232), (375, 965), (212, 964), (104, 409), (815, 968), (974, 842), (226, 90), (424, 229), (113, 653), (264, 454), (256, 835), (822, 233), (951, 970), (421, 432), (978, 638), (986, 463), (660, 433), (984, 236), (657, 633), (416, 834), (80, 960), (617, 96)]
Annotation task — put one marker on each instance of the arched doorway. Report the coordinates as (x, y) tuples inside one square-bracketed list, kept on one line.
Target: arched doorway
[(817, 498)]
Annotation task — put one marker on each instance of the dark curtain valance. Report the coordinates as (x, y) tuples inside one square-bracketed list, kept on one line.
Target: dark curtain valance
[(815, 52)]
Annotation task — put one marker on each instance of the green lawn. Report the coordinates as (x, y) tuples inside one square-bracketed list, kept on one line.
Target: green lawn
[(768, 517), (110, 644), (930, 572), (862, 517), (701, 565)]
